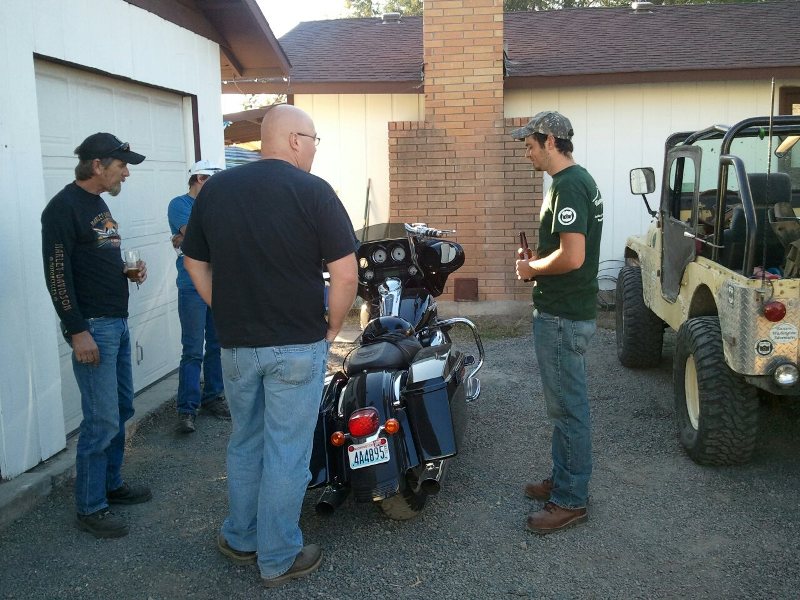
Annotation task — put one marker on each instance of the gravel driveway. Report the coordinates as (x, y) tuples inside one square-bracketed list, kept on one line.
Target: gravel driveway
[(660, 526)]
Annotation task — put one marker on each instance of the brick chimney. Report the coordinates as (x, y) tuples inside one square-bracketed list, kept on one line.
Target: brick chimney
[(459, 169)]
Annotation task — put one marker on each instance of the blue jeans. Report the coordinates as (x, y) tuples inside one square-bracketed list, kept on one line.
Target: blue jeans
[(107, 402), (197, 331), (560, 346), (274, 396)]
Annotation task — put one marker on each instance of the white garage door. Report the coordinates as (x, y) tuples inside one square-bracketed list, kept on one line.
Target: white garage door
[(73, 104)]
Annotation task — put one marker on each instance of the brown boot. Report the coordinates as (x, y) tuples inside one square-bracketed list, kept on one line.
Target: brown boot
[(539, 491), (555, 518)]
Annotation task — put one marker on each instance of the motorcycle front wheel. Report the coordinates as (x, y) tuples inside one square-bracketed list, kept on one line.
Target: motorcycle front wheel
[(405, 504)]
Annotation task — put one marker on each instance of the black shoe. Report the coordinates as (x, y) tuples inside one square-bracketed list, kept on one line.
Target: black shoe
[(102, 524), (306, 562), (217, 408), (185, 423), (129, 494), (237, 556)]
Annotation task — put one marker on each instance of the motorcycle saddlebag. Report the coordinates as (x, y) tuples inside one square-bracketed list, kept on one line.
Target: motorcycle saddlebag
[(435, 400)]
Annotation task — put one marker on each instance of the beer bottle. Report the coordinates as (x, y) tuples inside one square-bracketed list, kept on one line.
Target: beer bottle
[(524, 252)]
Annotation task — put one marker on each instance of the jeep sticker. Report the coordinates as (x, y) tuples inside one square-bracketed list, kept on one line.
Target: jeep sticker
[(783, 333), (764, 347)]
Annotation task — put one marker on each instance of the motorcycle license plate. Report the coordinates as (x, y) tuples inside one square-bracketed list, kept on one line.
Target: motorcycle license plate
[(368, 453)]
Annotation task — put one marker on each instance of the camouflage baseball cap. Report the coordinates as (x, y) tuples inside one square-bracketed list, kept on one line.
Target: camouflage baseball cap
[(547, 122)]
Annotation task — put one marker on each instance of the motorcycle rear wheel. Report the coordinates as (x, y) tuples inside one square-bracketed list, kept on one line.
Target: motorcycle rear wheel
[(405, 504)]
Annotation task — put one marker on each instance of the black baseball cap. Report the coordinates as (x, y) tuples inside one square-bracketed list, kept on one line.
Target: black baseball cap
[(106, 145)]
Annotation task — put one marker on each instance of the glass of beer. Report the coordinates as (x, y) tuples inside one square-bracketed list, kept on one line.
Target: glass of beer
[(132, 266)]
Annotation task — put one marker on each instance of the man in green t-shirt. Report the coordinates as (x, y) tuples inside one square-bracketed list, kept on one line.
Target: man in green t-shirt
[(564, 271)]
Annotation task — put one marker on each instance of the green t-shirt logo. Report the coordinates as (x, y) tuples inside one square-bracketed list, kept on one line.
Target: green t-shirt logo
[(567, 216)]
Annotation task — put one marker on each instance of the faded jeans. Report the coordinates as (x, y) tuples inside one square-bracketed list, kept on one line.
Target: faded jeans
[(560, 346), (107, 402), (274, 397), (200, 351)]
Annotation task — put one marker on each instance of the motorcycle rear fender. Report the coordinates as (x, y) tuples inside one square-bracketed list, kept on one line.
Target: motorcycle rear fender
[(376, 389)]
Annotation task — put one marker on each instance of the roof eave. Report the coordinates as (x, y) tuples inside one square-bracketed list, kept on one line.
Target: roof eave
[(665, 76), (292, 86)]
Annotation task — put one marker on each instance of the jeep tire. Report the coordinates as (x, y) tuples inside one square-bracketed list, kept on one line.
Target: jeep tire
[(716, 410), (640, 333)]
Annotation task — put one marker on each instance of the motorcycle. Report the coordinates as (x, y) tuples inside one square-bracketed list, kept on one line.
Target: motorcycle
[(394, 416)]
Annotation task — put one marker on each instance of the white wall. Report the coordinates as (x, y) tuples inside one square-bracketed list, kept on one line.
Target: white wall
[(114, 37), (621, 127), (355, 145)]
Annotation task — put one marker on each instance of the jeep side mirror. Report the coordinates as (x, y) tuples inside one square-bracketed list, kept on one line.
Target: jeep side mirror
[(643, 181)]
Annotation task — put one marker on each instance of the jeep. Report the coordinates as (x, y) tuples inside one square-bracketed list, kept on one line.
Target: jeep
[(720, 264)]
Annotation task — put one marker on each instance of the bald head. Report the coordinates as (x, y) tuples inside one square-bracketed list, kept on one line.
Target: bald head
[(287, 133)]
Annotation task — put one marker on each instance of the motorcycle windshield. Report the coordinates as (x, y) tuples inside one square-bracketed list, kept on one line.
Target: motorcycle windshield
[(381, 231)]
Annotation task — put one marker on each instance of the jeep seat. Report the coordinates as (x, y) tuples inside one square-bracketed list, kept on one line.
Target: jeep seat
[(780, 190)]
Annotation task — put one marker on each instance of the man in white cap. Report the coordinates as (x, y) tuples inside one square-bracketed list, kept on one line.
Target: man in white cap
[(564, 270), (201, 350)]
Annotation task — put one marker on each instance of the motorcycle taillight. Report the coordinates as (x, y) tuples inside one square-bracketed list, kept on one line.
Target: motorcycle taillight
[(363, 422)]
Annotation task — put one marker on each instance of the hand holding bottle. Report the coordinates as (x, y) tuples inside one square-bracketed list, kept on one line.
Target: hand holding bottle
[(524, 252)]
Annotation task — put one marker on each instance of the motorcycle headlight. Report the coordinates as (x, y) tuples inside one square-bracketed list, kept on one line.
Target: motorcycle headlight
[(786, 375)]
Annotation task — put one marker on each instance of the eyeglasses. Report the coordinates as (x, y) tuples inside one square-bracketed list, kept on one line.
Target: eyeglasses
[(124, 146), (313, 137)]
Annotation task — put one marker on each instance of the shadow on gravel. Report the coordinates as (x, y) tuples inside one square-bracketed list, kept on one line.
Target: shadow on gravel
[(660, 526)]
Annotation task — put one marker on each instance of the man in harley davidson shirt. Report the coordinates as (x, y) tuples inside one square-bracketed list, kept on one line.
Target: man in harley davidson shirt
[(85, 276), (255, 244), (564, 270)]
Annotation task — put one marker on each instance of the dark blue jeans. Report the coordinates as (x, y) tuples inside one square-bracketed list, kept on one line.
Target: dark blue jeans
[(560, 346), (107, 402), (200, 351)]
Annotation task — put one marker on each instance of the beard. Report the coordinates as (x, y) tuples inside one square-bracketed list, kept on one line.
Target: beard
[(115, 189)]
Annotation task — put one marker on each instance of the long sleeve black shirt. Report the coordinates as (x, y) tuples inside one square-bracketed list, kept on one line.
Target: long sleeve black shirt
[(83, 265)]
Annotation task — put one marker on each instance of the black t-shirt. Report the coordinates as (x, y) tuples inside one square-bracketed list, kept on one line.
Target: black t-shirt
[(265, 228), (83, 265)]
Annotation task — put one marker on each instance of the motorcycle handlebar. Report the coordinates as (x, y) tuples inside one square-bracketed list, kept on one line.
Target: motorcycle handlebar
[(422, 230)]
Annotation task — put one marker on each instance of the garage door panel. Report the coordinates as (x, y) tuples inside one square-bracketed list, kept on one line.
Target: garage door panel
[(157, 252), (91, 109), (74, 104), (56, 131), (168, 128), (134, 118), (139, 211)]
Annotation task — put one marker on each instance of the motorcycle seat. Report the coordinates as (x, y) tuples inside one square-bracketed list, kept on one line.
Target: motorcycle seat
[(395, 354)]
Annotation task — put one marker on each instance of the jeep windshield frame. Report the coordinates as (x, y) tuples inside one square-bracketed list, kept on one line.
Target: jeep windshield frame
[(721, 139)]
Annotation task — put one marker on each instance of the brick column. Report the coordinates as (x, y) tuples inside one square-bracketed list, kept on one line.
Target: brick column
[(459, 169)]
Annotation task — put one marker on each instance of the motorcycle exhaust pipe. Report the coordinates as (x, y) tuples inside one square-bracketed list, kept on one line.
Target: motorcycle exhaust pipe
[(331, 499), (429, 481)]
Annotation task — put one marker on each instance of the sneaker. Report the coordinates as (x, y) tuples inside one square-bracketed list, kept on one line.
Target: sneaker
[(306, 562), (129, 494), (539, 491), (553, 518), (217, 408), (102, 524), (185, 423), (237, 556)]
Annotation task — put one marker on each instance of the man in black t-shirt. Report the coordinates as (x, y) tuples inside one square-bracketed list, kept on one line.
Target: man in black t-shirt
[(254, 248), (86, 278)]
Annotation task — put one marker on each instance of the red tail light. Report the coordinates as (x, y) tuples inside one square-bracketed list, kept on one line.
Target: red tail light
[(774, 311), (363, 422)]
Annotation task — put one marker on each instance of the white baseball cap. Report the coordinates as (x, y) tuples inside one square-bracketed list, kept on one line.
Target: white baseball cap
[(204, 167)]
